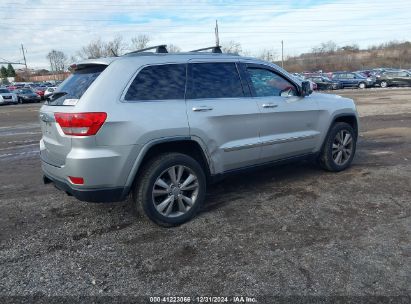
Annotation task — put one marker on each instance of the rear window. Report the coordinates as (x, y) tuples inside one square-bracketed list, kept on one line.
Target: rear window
[(215, 80), (75, 85), (4, 91), (158, 82)]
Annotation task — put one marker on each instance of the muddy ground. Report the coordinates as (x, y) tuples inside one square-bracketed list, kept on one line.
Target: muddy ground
[(289, 230)]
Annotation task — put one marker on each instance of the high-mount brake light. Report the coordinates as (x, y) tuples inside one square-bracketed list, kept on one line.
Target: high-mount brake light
[(81, 124)]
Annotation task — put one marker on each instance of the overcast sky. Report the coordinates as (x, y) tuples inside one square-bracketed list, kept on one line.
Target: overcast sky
[(43, 25)]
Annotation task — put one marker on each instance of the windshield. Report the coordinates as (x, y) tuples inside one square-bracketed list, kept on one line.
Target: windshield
[(4, 91), (75, 85)]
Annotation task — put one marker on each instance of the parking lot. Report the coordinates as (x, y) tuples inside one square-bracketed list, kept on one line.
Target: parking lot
[(289, 230)]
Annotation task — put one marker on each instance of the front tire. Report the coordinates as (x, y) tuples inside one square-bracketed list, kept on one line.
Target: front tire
[(362, 85), (170, 190), (383, 84), (339, 148)]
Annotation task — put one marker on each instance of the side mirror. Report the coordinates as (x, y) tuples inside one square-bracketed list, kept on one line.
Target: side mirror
[(306, 88)]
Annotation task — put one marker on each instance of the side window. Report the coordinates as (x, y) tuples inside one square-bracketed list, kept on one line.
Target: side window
[(158, 82), (350, 76), (214, 80), (402, 74), (268, 83)]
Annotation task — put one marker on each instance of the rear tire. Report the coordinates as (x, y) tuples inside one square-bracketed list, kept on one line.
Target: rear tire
[(339, 148), (167, 198)]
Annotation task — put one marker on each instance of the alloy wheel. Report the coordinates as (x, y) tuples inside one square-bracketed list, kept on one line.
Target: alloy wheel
[(342, 147), (175, 191)]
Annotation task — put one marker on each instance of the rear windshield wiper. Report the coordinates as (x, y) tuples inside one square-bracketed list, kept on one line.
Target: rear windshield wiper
[(55, 96)]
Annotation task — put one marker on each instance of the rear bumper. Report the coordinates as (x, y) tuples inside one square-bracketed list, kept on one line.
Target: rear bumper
[(103, 195)]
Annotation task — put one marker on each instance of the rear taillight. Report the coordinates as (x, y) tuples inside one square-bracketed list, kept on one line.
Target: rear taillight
[(80, 124)]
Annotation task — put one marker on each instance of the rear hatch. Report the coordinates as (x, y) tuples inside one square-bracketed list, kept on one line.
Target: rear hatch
[(55, 145)]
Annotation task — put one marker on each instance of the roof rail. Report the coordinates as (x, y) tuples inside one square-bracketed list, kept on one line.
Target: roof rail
[(162, 48), (214, 49)]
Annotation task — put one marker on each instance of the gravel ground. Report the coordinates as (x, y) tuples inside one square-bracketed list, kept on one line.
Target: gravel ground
[(293, 230)]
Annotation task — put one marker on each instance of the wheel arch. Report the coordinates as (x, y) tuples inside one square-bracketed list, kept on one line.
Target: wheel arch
[(186, 145), (349, 118)]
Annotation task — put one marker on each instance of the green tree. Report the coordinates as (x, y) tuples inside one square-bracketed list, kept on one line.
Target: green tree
[(3, 72), (10, 71)]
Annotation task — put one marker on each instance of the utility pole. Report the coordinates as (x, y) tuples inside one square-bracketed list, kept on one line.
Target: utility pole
[(25, 62), (282, 54), (24, 56), (217, 38)]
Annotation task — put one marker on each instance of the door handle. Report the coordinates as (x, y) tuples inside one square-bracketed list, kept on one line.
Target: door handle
[(202, 109), (269, 105)]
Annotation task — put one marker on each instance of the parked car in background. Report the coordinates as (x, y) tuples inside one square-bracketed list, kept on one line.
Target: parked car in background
[(11, 88), (40, 91), (325, 83), (27, 95), (6, 97), (300, 77), (394, 78), (369, 74), (49, 91), (352, 79)]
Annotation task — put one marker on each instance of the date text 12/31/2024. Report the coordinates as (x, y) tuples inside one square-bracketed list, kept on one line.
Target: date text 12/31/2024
[(204, 299)]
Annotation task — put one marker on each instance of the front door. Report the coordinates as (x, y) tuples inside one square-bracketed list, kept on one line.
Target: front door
[(288, 124)]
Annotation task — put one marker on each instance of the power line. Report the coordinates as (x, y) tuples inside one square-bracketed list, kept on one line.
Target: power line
[(161, 27)]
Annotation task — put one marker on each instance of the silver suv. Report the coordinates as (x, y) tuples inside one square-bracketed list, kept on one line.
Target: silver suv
[(162, 126)]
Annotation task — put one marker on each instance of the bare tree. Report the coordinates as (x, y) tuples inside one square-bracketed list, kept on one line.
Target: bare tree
[(325, 47), (268, 55), (172, 48), (58, 60), (140, 42), (99, 48), (94, 49), (232, 47), (115, 47)]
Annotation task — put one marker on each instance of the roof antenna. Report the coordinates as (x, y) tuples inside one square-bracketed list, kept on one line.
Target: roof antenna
[(114, 53), (217, 39)]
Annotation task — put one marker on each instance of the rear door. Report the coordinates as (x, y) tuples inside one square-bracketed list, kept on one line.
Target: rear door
[(392, 77), (288, 121), (403, 78), (54, 144), (342, 78), (222, 114), (351, 80)]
